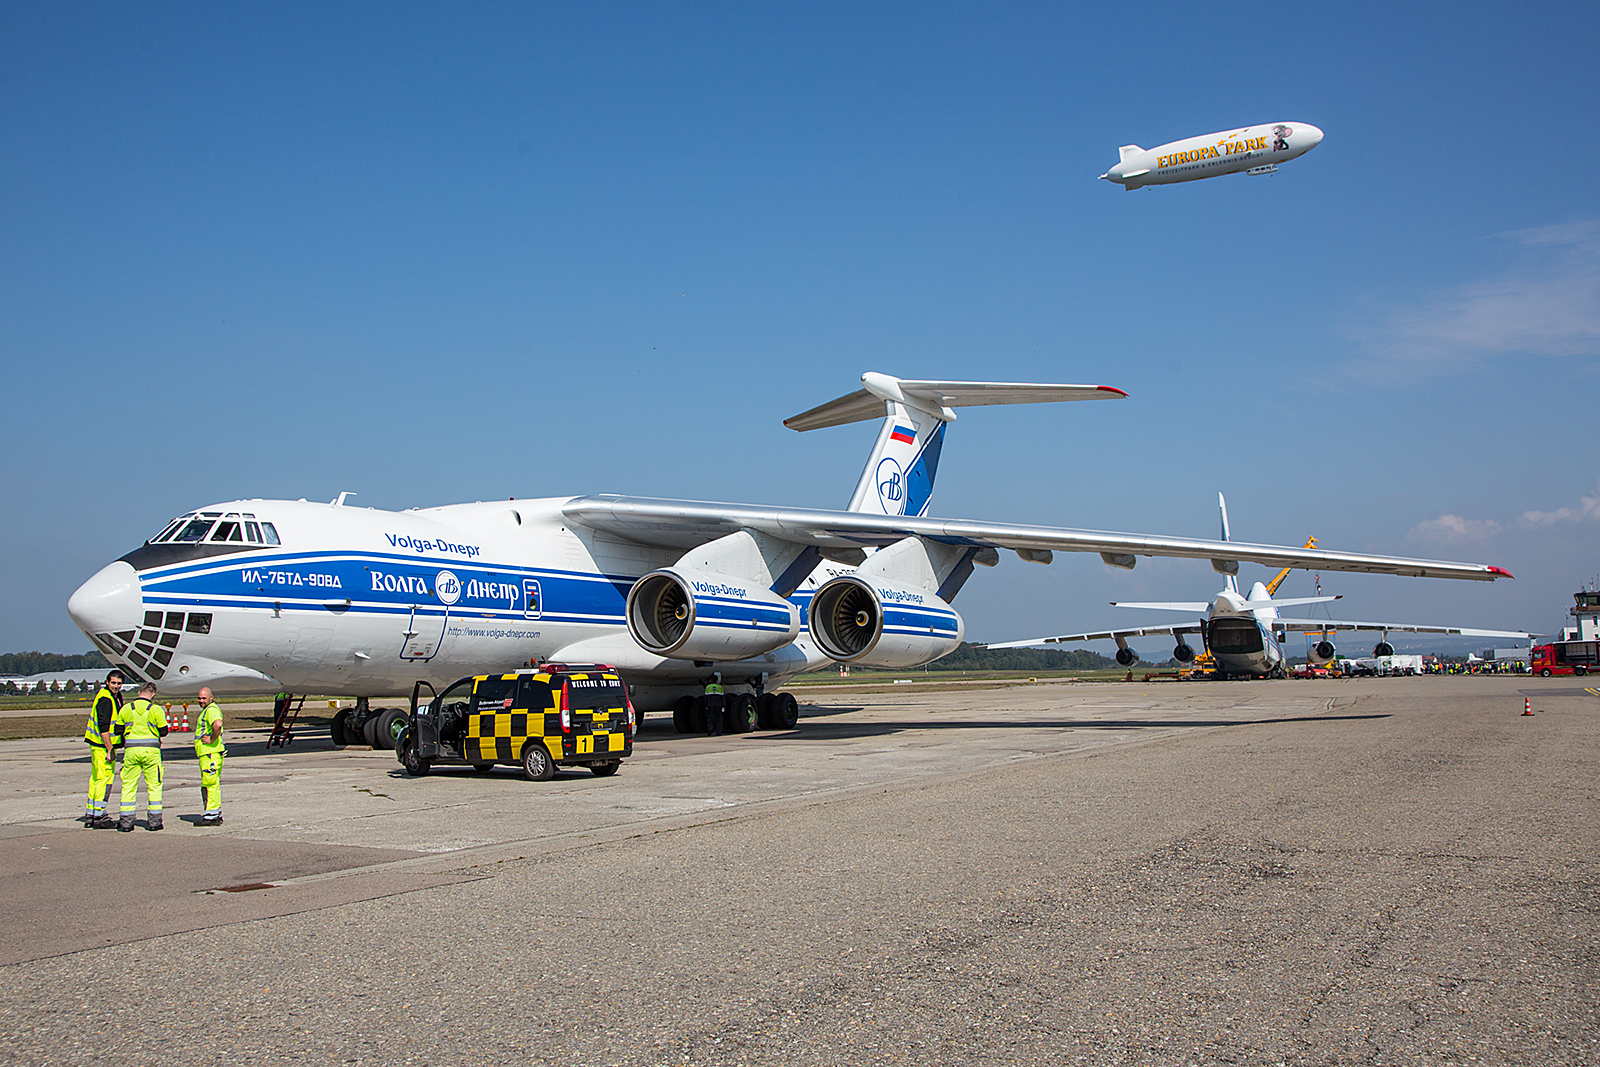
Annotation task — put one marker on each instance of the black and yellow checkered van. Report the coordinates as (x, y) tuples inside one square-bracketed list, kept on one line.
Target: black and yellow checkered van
[(553, 715)]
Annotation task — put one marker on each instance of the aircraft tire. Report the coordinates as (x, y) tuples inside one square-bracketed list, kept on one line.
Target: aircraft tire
[(697, 716), (390, 723), (536, 762), (766, 712), (606, 769), (369, 731), (787, 712), (681, 711), (336, 729), (742, 714)]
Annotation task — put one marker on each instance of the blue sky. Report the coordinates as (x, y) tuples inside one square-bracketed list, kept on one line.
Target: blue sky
[(434, 254)]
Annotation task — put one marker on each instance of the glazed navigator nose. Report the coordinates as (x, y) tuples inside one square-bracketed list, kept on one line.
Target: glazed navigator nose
[(108, 602)]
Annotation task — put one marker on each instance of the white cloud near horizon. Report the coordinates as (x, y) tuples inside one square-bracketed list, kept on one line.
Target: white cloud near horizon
[(1457, 530), (1548, 303)]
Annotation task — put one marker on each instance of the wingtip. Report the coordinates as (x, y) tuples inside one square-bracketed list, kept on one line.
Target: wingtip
[(1501, 572), (1112, 389)]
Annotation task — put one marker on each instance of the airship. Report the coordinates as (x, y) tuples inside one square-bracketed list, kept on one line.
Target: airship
[(1253, 150)]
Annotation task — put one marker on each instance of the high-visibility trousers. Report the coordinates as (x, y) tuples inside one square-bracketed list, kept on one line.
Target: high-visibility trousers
[(211, 782), (101, 772), (140, 762)]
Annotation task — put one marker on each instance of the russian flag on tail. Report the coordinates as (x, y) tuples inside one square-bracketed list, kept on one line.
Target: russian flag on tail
[(903, 433)]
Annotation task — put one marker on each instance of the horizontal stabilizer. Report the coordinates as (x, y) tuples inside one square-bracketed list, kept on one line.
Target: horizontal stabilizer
[(1128, 149), (1251, 605), (1174, 605), (937, 398)]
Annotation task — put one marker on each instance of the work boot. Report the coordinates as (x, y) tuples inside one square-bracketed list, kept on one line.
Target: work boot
[(154, 822), (125, 824), (105, 822), (211, 820)]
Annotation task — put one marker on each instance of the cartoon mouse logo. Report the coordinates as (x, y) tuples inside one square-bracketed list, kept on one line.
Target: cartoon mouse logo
[(1280, 138)]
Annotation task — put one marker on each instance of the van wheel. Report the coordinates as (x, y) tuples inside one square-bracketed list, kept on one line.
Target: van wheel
[(536, 762), (605, 770), (681, 712), (336, 729), (414, 764), (787, 711), (1545, 673), (390, 723)]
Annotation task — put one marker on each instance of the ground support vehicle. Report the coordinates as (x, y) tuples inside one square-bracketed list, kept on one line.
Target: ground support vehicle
[(572, 715), (1565, 657)]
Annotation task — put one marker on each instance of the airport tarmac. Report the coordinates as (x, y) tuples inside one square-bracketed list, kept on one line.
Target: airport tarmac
[(1387, 871)]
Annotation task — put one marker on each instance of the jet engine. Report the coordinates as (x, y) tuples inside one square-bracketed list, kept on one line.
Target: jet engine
[(1383, 648), (880, 623), (1322, 652), (692, 614), (1127, 657), (1183, 653)]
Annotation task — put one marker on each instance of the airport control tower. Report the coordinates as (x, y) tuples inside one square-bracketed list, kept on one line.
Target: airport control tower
[(1586, 611)]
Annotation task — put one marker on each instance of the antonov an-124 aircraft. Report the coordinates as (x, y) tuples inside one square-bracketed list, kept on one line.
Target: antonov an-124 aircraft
[(262, 596), (1243, 633)]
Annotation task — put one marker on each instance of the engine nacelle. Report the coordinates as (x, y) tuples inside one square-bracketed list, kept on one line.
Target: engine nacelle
[(691, 614), (1383, 648), (1322, 653), (1183, 653), (1127, 657), (879, 623)]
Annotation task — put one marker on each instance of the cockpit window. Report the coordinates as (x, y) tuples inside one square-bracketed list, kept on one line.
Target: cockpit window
[(270, 533), (228, 530), (252, 532), (194, 530), (172, 528)]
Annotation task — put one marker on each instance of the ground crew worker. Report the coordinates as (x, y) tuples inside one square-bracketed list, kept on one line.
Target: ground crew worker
[(208, 749), (98, 734), (714, 702), (139, 727)]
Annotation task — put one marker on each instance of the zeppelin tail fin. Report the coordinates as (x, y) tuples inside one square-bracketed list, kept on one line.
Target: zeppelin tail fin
[(1128, 149)]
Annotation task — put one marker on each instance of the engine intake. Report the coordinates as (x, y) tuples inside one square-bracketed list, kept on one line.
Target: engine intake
[(882, 623), (1322, 653), (692, 615)]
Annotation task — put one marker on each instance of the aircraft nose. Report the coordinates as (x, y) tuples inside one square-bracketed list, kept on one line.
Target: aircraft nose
[(1314, 134), (108, 602)]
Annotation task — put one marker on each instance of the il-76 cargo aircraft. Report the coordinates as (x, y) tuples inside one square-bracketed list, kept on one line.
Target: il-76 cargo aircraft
[(260, 596)]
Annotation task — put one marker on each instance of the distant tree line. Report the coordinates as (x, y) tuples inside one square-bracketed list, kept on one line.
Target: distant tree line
[(967, 658), (44, 662)]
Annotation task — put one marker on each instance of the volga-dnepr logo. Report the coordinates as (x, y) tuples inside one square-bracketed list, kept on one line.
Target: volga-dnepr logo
[(447, 587), (891, 486)]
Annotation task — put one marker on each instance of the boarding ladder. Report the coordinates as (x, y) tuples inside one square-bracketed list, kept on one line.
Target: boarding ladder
[(285, 713)]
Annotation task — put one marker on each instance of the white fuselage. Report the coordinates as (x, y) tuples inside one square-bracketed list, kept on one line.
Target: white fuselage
[(363, 602), (1239, 633), (1228, 152)]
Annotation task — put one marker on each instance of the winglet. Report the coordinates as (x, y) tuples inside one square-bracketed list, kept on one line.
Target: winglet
[(1501, 572)]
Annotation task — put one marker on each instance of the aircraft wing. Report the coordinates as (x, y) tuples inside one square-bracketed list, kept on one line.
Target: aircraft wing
[(1099, 635), (685, 524), (1313, 625)]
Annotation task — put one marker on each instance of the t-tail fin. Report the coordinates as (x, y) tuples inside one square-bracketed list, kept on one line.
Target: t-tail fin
[(1222, 503), (898, 478)]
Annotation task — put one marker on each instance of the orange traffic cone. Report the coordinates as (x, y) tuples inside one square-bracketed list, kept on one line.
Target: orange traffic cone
[(185, 727), (1527, 706)]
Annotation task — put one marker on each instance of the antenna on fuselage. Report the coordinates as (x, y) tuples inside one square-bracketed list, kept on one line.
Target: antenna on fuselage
[(339, 501)]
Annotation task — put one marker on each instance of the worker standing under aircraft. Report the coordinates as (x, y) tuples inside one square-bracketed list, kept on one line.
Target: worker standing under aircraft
[(102, 711), (714, 702), (139, 727), (209, 750)]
